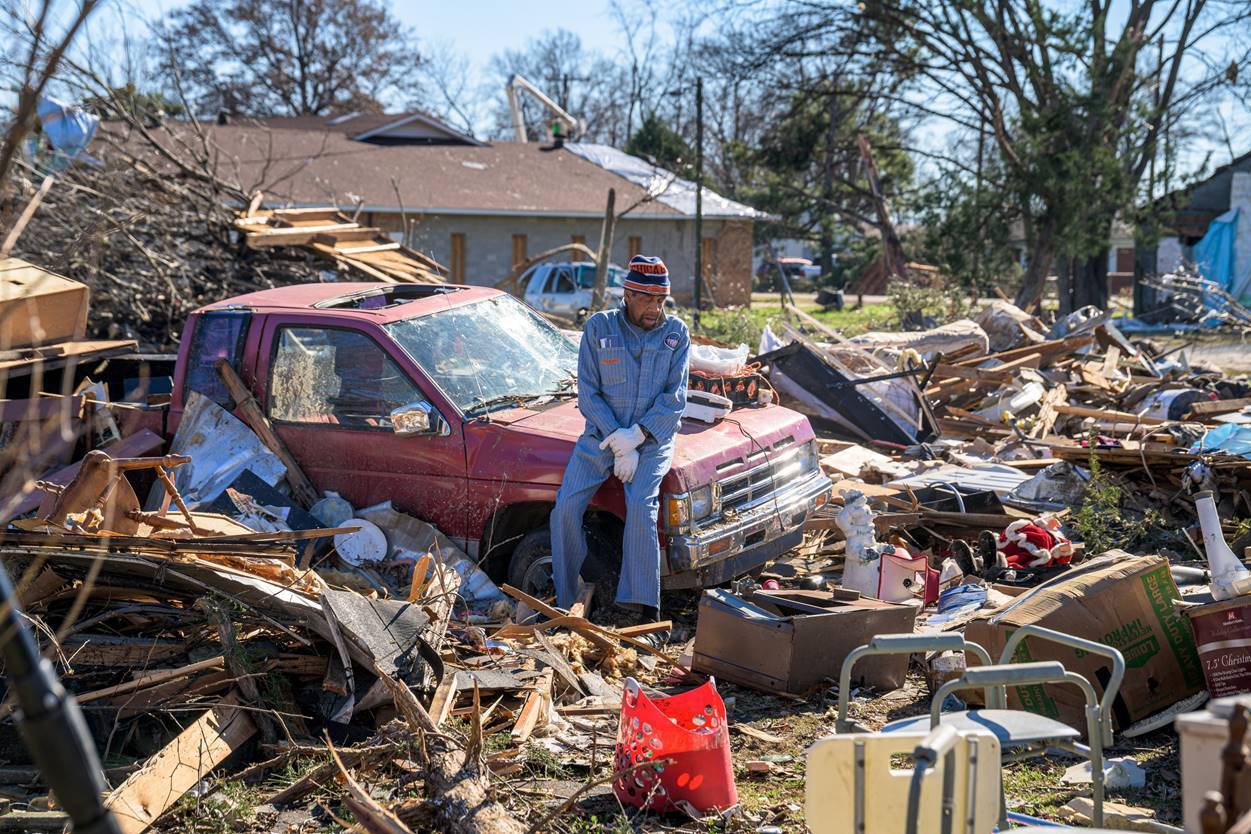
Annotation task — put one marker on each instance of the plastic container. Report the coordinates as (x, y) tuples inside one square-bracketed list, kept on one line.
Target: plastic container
[(1230, 577), (690, 730)]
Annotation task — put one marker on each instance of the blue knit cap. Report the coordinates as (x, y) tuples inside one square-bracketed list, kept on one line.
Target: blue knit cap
[(648, 274)]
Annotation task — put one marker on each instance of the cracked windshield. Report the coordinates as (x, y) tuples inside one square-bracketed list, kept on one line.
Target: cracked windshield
[(491, 353)]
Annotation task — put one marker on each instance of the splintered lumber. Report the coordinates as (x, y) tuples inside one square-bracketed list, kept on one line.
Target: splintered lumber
[(1048, 350), (552, 657), (1218, 407), (444, 697), (212, 664), (149, 792), (535, 709), (301, 487), (1109, 415)]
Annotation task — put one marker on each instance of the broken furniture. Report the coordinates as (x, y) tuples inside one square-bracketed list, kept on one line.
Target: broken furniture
[(853, 785), (1022, 734), (1228, 810), (101, 498)]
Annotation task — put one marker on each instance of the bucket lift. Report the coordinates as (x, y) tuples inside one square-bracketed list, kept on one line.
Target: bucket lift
[(563, 125)]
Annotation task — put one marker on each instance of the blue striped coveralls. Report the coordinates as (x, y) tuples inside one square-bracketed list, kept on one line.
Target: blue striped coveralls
[(626, 375)]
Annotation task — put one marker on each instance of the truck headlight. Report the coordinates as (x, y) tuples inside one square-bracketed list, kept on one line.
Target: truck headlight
[(677, 511), (705, 501), (808, 457)]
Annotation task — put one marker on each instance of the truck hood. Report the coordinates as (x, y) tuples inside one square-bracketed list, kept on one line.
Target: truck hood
[(703, 453)]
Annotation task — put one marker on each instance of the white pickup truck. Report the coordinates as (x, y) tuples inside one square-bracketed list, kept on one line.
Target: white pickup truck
[(564, 289)]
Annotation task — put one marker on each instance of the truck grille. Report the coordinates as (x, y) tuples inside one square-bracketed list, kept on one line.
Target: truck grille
[(778, 465)]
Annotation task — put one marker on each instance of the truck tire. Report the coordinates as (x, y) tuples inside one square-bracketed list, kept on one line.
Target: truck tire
[(530, 568)]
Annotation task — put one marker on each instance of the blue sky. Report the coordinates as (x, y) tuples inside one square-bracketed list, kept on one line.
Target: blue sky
[(482, 28)]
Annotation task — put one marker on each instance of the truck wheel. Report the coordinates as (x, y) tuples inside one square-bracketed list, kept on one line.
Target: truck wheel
[(530, 568)]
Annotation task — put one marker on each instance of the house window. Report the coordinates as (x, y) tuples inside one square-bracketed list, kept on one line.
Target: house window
[(457, 265), (636, 246), (336, 378), (519, 250), (579, 256)]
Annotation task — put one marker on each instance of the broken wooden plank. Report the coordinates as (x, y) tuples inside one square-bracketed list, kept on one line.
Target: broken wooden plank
[(534, 709), (165, 777), (444, 697), (212, 664), (1216, 408), (552, 657)]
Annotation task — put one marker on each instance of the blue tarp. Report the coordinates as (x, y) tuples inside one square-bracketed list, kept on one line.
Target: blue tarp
[(1229, 437), (1214, 256)]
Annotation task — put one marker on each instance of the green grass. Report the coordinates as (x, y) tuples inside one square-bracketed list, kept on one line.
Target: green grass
[(743, 325)]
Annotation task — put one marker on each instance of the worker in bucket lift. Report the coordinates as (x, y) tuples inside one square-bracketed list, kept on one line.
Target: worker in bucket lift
[(632, 377)]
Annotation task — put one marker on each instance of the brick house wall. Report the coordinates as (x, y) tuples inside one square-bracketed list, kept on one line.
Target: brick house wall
[(490, 243)]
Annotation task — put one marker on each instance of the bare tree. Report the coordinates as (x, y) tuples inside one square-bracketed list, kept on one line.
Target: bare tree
[(304, 57), (445, 87), (1076, 99)]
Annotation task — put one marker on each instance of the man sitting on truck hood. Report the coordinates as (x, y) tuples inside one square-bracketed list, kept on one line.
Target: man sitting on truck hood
[(632, 378)]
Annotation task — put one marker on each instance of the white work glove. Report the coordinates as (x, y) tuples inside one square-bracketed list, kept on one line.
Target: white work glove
[(624, 466), (623, 440)]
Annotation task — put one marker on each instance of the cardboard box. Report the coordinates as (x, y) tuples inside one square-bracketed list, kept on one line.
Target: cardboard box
[(757, 644), (1125, 602), (38, 307)]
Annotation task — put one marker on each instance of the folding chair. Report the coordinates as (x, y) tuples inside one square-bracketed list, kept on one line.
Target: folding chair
[(1021, 734), (853, 785)]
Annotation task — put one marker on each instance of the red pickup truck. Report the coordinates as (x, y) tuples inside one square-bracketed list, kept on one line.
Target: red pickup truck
[(459, 405)]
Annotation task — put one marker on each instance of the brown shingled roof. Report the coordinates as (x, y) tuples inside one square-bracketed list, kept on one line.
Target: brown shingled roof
[(314, 167)]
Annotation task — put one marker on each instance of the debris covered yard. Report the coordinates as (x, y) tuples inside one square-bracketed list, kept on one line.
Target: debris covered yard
[(252, 653), (294, 408)]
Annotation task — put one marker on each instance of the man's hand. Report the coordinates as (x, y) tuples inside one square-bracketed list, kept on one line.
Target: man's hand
[(624, 466), (623, 440)]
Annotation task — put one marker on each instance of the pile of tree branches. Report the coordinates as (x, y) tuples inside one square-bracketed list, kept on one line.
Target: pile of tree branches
[(152, 245)]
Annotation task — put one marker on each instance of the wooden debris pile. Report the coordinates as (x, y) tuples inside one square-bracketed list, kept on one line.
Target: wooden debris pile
[(972, 440), (364, 252)]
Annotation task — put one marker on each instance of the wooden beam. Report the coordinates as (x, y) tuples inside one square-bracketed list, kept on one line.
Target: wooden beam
[(165, 777), (1218, 407), (367, 248), (347, 235), (1108, 414)]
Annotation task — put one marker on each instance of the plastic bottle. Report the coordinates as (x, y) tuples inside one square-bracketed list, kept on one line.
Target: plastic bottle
[(1230, 577)]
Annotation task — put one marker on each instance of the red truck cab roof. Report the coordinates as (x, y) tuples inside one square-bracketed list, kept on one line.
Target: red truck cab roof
[(380, 303)]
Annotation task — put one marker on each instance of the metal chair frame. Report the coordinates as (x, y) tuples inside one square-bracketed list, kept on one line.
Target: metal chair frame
[(994, 679)]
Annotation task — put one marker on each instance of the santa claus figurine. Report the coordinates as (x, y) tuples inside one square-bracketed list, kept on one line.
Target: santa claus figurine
[(1035, 543)]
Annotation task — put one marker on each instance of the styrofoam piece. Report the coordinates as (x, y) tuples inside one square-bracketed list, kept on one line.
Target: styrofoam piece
[(1117, 773)]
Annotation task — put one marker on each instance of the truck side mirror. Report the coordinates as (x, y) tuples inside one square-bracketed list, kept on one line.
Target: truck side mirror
[(418, 418)]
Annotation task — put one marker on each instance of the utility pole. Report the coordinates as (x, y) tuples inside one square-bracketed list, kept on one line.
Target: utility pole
[(827, 191), (977, 210), (699, 195)]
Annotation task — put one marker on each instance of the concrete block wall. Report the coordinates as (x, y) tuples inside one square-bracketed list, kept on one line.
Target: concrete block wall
[(489, 245)]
